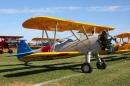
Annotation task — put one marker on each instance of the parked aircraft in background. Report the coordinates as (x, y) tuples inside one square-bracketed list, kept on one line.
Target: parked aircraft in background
[(122, 46), (124, 41), (37, 42), (7, 42), (88, 43)]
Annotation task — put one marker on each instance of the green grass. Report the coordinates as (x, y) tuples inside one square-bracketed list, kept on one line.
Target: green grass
[(14, 73)]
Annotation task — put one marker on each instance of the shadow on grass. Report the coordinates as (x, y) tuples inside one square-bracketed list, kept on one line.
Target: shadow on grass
[(114, 58), (47, 68), (51, 67), (10, 65), (126, 53)]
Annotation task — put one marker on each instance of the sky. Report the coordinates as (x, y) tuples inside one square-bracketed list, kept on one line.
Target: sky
[(13, 13)]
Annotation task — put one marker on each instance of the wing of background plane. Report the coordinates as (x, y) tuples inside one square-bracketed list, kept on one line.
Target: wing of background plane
[(48, 55), (8, 37), (124, 35), (36, 38), (40, 38)]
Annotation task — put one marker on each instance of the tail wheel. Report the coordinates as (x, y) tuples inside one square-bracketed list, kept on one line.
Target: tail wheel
[(1, 51), (86, 68), (26, 63), (10, 51), (101, 65)]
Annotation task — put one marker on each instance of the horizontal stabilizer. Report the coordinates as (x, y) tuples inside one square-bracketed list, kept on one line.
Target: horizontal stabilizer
[(26, 53)]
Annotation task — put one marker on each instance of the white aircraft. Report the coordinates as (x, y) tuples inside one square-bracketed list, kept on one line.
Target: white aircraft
[(87, 44)]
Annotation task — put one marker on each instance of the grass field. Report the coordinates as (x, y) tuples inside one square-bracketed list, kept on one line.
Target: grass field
[(65, 72)]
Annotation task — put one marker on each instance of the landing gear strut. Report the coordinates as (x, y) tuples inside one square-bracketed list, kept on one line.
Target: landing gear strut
[(101, 65), (86, 66)]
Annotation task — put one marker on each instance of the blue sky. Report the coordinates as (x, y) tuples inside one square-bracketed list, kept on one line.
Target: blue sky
[(13, 13)]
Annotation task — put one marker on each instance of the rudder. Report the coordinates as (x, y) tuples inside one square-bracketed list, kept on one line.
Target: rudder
[(23, 49)]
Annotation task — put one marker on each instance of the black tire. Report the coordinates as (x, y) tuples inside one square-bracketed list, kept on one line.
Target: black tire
[(102, 65), (10, 51), (26, 63), (1, 52), (86, 68)]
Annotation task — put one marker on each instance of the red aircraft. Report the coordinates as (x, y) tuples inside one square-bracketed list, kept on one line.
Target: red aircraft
[(8, 42)]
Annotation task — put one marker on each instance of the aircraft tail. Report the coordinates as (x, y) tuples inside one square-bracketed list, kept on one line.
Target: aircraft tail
[(23, 49)]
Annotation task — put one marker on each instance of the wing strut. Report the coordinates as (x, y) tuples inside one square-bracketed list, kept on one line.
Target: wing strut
[(128, 39), (47, 37), (53, 48), (42, 36), (94, 30), (84, 31), (86, 34), (122, 40), (74, 35)]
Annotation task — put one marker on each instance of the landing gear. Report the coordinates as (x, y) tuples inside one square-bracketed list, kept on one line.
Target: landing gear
[(26, 63), (86, 68), (10, 51), (101, 65), (1, 51)]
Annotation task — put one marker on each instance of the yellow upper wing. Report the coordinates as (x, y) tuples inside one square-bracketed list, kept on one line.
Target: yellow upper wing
[(41, 22), (47, 55)]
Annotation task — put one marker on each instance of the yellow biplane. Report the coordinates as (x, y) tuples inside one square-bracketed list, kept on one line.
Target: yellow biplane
[(88, 43), (120, 46), (123, 46), (37, 42)]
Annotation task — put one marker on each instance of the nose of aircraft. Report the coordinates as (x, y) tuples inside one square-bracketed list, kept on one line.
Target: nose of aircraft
[(104, 41)]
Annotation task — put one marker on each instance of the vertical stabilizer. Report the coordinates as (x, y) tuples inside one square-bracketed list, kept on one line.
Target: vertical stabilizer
[(23, 49)]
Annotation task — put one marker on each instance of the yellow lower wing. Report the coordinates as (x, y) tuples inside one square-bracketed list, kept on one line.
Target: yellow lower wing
[(48, 55)]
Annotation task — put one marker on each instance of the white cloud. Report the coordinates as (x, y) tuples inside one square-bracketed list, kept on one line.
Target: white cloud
[(108, 8), (73, 8), (39, 10)]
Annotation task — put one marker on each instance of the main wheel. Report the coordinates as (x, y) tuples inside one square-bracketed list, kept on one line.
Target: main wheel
[(102, 65), (1, 51), (10, 51), (86, 68)]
